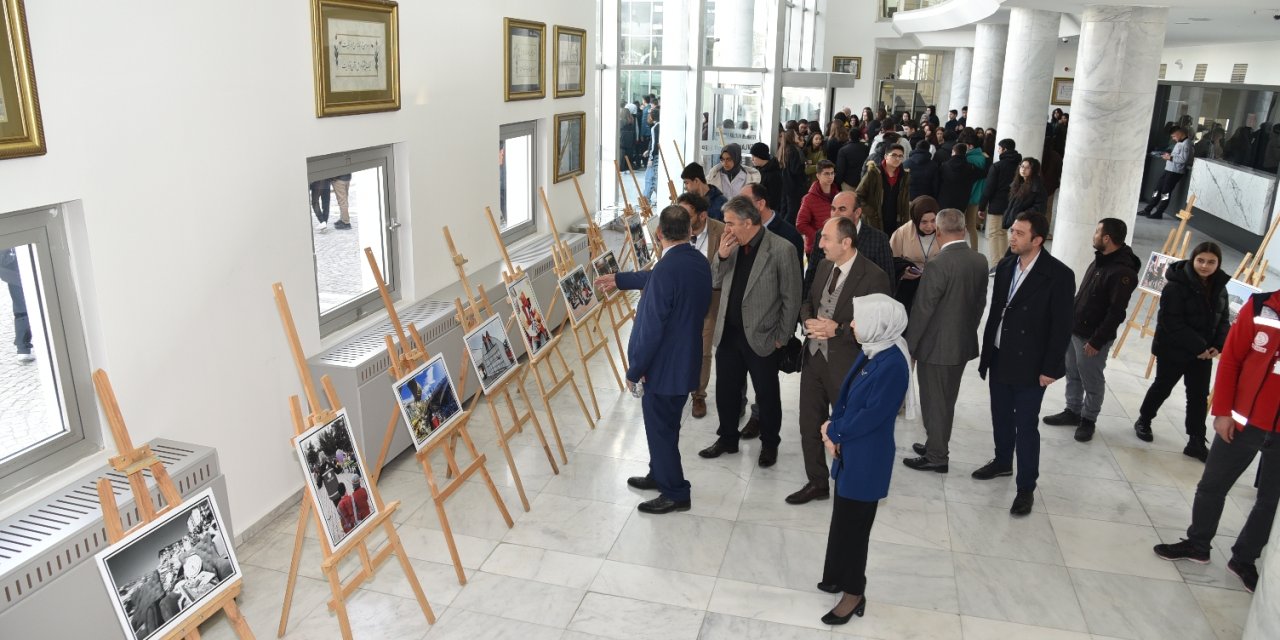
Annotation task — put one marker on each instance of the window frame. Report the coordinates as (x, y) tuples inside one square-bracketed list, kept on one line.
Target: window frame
[(370, 302), (56, 295), (515, 130)]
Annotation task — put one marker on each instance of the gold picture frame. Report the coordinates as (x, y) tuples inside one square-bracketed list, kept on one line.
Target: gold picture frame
[(1062, 90), (520, 39), (356, 56), (570, 145), (569, 75), (847, 64), (21, 128)]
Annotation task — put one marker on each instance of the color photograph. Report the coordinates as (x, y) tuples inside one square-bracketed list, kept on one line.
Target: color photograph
[(1153, 280), (533, 326), (642, 245), (427, 400), (579, 295), (1237, 294), (605, 265), (336, 479), (490, 352), (161, 574)]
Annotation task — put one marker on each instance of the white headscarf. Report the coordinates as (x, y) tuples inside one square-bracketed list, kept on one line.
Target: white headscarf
[(879, 322)]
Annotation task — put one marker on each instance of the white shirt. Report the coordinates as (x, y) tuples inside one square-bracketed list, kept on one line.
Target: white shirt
[(1019, 277), (699, 240), (844, 268), (955, 241)]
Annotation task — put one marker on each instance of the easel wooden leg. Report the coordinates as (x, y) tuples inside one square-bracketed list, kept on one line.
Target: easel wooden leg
[(338, 603), (438, 500), (303, 514), (376, 471), (393, 538), (506, 451), (537, 427), (546, 404), (586, 370), (488, 481), (604, 342), (236, 618)]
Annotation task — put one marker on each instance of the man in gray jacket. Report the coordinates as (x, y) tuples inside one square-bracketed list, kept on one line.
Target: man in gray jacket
[(943, 334), (1177, 164)]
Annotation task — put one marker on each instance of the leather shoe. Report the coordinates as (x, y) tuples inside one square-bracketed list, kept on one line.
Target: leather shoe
[(922, 464), (768, 456), (991, 470), (716, 450), (828, 587), (642, 482), (699, 407), (919, 449), (1022, 503), (809, 493), (1084, 432), (663, 504), (1142, 428), (1067, 418), (751, 429)]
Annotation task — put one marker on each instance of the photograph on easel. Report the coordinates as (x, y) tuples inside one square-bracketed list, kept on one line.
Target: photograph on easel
[(336, 478), (643, 246), (427, 400), (533, 325), (161, 574), (490, 352), (1153, 278), (1237, 294), (579, 294), (606, 264)]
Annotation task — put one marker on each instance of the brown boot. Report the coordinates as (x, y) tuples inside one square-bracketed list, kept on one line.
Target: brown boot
[(699, 407)]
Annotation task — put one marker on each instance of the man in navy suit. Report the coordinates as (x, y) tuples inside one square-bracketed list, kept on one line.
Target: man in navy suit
[(665, 353)]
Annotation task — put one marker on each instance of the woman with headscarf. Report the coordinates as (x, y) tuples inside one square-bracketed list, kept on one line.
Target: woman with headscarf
[(859, 437), (730, 175), (913, 245)]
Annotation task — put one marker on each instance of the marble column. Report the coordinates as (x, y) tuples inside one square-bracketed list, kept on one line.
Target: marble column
[(1028, 78), (988, 70), (1264, 614), (734, 31), (1115, 86), (961, 70)]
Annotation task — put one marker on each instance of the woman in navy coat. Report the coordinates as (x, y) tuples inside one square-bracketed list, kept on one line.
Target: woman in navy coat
[(859, 437)]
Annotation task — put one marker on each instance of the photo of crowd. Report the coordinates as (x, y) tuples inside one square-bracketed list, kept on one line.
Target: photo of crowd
[(427, 400), (335, 478), (642, 245), (605, 265), (490, 352), (1153, 280), (533, 326), (579, 295)]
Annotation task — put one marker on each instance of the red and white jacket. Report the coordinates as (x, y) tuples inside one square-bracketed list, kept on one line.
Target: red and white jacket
[(1247, 387)]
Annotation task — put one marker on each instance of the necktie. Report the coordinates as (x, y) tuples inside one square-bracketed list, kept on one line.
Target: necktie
[(835, 277)]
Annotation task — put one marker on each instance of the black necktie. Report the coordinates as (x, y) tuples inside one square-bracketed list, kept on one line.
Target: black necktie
[(835, 276)]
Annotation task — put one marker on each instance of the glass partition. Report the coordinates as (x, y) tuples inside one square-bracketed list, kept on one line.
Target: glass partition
[(1228, 123), (732, 102)]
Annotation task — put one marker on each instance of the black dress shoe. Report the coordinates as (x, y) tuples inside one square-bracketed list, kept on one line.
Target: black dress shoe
[(642, 482), (829, 587), (834, 620), (991, 470), (768, 456), (1197, 449), (809, 493), (920, 449), (922, 464), (663, 504), (1067, 418), (751, 429), (1084, 432), (716, 450), (1143, 430), (1022, 503)]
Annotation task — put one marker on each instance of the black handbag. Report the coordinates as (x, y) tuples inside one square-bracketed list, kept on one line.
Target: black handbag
[(792, 357)]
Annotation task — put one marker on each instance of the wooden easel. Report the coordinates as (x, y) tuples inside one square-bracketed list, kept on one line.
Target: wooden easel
[(1253, 269), (679, 156), (628, 214), (469, 316), (410, 355), (671, 186), (646, 209), (1171, 247), (618, 303), (320, 414), (132, 461)]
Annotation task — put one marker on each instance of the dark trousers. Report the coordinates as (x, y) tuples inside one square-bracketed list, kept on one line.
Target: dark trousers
[(818, 391), (1015, 422), (847, 543), (1168, 182), (1194, 374), (735, 361), (662, 429), (21, 322), (939, 388), (1227, 460), (320, 199)]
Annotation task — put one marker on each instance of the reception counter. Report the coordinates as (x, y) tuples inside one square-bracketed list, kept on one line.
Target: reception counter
[(1239, 195)]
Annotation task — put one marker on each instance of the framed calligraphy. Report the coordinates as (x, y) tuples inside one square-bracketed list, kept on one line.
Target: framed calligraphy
[(570, 141), (570, 76), (356, 50), (525, 60), (21, 129), (1062, 89)]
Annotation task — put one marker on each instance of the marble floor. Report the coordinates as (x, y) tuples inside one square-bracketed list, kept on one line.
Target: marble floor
[(947, 561)]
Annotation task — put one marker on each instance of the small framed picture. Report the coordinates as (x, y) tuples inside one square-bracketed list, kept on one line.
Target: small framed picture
[(525, 59), (428, 401), (336, 479), (642, 244), (490, 352), (1237, 294), (579, 296), (570, 74), (606, 264), (847, 64), (356, 50), (570, 152), (1062, 88), (1153, 277), (533, 326), (161, 574), (21, 128)]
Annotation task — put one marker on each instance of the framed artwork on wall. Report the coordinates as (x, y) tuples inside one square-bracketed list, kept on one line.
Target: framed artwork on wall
[(524, 60), (570, 139), (1062, 88), (570, 75), (21, 129), (356, 50), (847, 64)]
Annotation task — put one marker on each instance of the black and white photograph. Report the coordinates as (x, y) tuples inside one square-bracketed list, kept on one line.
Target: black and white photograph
[(579, 295), (427, 400), (490, 352), (606, 264), (162, 573), (533, 326), (1153, 280), (336, 479)]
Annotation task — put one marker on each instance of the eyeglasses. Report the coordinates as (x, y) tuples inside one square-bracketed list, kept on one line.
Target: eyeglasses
[(896, 155)]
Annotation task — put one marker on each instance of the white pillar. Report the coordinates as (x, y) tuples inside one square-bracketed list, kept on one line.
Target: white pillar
[(734, 31), (988, 70), (1115, 86), (961, 71), (1028, 78)]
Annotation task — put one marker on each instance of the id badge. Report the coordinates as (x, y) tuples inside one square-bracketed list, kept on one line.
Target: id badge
[(1275, 368)]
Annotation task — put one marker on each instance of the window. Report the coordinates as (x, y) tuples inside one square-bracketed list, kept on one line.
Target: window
[(800, 31), (516, 172), (913, 80), (737, 33), (352, 206), (49, 418)]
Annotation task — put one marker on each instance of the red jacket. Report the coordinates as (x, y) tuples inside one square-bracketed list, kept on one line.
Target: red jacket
[(815, 210), (1248, 386)]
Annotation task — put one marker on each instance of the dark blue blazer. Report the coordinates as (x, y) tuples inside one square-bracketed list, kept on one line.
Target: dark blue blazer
[(862, 424), (666, 340)]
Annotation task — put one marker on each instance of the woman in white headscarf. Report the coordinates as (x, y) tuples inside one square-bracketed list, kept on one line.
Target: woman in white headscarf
[(859, 438)]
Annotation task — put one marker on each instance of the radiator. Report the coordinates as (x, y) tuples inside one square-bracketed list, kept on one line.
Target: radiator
[(49, 584), (358, 366)]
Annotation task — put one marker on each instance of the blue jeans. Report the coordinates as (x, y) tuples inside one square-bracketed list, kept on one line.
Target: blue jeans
[(651, 179), (1015, 422), (662, 428), (21, 322)]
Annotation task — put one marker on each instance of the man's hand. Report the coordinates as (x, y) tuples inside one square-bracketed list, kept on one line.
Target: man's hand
[(822, 328), (631, 386), (1226, 427), (833, 449), (1207, 354), (727, 244), (607, 283), (1046, 381), (1089, 351), (1165, 156)]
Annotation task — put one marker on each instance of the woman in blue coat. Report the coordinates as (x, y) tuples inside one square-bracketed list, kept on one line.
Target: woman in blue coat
[(859, 437)]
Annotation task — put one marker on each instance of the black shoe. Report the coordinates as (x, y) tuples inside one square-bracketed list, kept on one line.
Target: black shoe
[(834, 620), (1184, 550), (828, 587), (922, 464), (1196, 449), (809, 493), (642, 482), (751, 429), (342, 225), (1022, 503), (1067, 418), (991, 470), (768, 457), (663, 504), (1144, 213), (1143, 429), (1158, 216), (1248, 574), (1084, 432), (919, 449), (716, 450)]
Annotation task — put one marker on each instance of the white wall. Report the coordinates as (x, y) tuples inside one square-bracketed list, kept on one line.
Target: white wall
[(1260, 56), (852, 29), (183, 132), (1064, 66)]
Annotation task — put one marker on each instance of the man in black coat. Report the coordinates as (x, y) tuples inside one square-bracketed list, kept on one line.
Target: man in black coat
[(1024, 350), (770, 174), (850, 160), (995, 198), (956, 178), (924, 172), (872, 242), (1099, 309)]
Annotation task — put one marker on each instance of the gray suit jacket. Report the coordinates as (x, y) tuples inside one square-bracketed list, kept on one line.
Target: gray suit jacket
[(948, 306), (771, 302), (864, 278)]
